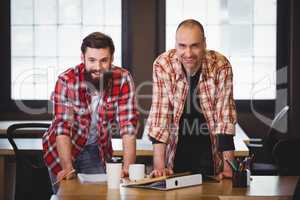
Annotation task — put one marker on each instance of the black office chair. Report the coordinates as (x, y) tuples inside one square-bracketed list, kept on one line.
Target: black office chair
[(264, 162), (284, 153), (32, 178)]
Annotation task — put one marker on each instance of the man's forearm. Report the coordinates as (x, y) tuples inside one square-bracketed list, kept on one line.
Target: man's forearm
[(159, 156), (227, 171), (129, 149), (64, 148)]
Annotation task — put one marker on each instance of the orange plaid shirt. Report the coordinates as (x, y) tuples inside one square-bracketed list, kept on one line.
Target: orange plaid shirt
[(170, 89)]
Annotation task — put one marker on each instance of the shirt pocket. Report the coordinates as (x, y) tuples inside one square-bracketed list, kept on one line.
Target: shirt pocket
[(81, 114), (107, 112), (112, 99)]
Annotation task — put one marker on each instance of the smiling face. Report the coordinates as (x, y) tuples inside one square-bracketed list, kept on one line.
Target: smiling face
[(190, 47), (97, 61)]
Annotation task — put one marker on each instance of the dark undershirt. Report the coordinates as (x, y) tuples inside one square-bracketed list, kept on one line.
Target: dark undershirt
[(193, 152)]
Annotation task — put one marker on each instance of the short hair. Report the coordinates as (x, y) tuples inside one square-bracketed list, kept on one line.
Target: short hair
[(191, 23), (97, 40)]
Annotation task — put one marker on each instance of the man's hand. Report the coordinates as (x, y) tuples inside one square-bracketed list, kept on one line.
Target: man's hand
[(125, 171), (65, 174), (129, 152), (227, 171), (161, 172), (159, 161)]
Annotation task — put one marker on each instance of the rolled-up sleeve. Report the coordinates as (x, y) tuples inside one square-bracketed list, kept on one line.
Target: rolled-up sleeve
[(225, 142), (127, 114), (159, 120), (225, 105), (63, 109)]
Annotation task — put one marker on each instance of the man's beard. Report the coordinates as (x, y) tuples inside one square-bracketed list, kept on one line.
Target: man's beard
[(102, 84)]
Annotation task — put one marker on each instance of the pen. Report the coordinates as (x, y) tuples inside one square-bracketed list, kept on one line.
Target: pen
[(67, 174), (241, 167), (249, 161)]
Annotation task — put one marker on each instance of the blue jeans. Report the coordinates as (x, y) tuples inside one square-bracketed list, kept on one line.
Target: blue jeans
[(87, 162)]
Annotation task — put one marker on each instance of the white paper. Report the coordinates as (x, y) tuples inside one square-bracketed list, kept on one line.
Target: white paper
[(92, 178)]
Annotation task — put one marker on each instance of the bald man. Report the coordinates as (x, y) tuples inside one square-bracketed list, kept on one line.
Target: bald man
[(192, 117)]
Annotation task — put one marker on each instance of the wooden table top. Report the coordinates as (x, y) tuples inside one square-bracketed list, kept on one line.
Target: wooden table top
[(144, 148), (261, 187)]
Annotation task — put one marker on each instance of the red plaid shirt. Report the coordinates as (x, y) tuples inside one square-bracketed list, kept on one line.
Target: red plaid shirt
[(170, 89), (72, 114)]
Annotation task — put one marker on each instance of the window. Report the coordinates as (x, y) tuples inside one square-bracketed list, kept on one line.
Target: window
[(244, 31), (46, 36)]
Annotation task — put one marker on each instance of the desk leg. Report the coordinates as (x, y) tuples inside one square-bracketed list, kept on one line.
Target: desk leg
[(2, 177)]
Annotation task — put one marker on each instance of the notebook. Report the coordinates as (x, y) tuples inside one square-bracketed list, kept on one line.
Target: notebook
[(167, 182)]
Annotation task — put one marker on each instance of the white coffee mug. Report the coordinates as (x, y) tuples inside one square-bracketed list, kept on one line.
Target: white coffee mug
[(136, 172), (113, 171)]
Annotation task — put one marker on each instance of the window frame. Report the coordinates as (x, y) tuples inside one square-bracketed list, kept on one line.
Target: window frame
[(282, 57), (8, 107), (9, 110)]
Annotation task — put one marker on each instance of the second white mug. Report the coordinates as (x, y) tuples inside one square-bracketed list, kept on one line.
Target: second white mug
[(136, 172)]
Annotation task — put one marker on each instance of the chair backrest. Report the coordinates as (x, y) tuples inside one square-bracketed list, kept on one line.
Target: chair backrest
[(274, 135), (269, 142), (285, 153), (32, 178)]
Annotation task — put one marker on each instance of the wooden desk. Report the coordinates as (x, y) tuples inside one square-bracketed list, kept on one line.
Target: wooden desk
[(240, 141), (261, 187), (144, 148)]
